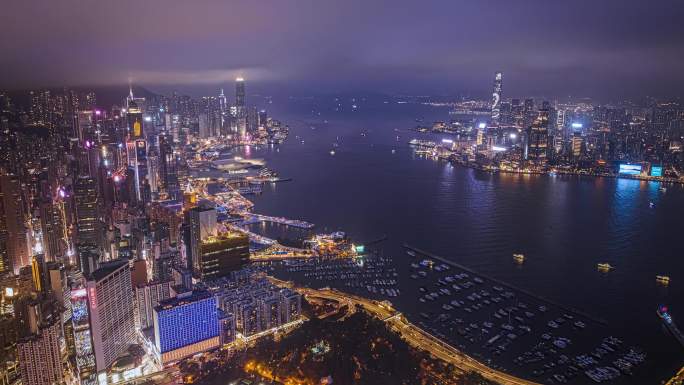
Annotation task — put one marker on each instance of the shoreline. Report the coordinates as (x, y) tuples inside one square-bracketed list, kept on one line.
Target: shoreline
[(564, 173)]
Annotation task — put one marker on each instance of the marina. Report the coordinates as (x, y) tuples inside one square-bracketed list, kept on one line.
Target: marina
[(539, 298), (504, 325)]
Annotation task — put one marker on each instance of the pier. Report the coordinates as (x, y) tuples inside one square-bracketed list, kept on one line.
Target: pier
[(521, 290), (251, 218)]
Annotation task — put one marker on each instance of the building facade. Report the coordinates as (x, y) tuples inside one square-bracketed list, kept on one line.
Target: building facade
[(186, 325), (112, 308)]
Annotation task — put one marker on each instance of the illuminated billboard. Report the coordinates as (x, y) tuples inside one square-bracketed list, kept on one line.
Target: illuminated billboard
[(630, 169), (657, 171)]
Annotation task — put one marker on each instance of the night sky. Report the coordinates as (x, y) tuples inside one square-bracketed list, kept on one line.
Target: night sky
[(598, 48)]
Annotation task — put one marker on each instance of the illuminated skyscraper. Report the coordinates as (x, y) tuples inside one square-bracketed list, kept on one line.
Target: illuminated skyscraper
[(137, 146), (537, 138), (186, 325), (496, 98), (201, 223), (87, 211), (240, 92), (168, 173), (577, 143), (529, 113), (223, 102), (111, 304)]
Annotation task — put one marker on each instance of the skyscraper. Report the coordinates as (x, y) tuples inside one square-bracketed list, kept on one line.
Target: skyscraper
[(496, 98), (201, 223), (537, 141), (206, 129), (13, 226), (529, 113), (240, 92), (223, 102), (134, 118), (221, 254), (86, 203), (240, 106), (52, 228), (168, 173), (137, 146), (112, 312)]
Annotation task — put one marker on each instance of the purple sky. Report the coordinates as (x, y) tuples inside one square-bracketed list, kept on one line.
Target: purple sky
[(600, 48)]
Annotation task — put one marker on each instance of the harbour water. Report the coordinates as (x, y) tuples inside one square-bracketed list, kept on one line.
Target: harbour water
[(375, 185)]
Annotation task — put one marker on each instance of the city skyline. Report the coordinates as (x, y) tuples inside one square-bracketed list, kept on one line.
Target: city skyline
[(313, 193), (554, 50)]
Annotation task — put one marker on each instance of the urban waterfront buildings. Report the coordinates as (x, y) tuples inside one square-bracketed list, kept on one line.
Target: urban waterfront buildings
[(93, 220), (93, 216), (256, 304)]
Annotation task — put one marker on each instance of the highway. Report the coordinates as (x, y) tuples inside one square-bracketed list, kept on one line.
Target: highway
[(415, 336), (677, 379)]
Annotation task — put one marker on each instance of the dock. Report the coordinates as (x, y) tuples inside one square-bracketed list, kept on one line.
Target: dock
[(501, 283)]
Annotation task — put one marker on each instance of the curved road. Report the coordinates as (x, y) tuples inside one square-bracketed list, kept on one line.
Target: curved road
[(414, 335)]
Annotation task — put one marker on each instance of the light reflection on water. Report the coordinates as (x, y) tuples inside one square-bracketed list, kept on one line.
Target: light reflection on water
[(564, 225)]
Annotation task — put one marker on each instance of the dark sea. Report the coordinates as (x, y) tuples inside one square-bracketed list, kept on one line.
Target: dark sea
[(375, 185)]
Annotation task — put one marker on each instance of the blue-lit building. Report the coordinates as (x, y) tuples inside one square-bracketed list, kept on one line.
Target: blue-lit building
[(186, 325)]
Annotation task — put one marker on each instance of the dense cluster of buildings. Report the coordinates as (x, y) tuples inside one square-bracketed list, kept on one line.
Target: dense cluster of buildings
[(218, 312), (580, 136), (105, 258)]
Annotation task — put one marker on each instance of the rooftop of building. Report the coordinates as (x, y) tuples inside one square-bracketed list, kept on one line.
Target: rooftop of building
[(194, 296), (107, 268), (228, 235)]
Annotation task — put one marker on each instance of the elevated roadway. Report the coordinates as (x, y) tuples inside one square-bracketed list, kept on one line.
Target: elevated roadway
[(415, 336)]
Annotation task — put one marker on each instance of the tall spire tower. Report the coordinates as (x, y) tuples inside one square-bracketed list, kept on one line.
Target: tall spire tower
[(223, 103), (496, 99)]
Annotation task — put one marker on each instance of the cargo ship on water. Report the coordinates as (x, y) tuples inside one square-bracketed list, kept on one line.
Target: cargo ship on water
[(669, 323)]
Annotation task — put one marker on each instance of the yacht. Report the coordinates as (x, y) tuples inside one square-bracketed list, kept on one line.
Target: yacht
[(604, 267), (663, 279)]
